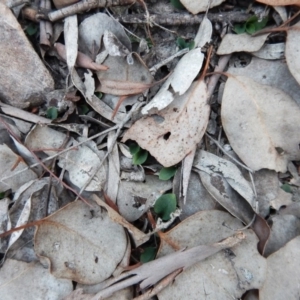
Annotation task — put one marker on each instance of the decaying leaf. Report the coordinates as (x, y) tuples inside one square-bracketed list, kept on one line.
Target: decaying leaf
[(174, 131), (20, 280), (282, 273), (226, 275), (284, 228), (77, 242), (255, 120), (241, 42), (196, 6), (279, 2), (211, 164), (135, 198), (124, 79), (82, 60), (197, 197), (10, 164), (292, 50), (273, 73), (92, 29)]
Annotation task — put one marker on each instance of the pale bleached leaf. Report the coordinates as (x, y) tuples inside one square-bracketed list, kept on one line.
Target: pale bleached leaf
[(23, 219), (274, 73), (92, 29), (241, 42), (280, 2), (81, 245), (282, 280), (196, 6), (292, 51), (204, 33), (21, 280), (255, 121), (71, 40), (113, 45), (174, 131), (178, 82)]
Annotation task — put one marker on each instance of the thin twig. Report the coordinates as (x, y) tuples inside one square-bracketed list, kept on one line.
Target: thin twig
[(184, 19), (225, 152), (85, 5)]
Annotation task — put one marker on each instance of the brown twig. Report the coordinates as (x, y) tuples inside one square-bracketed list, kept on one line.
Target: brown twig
[(85, 5), (184, 19)]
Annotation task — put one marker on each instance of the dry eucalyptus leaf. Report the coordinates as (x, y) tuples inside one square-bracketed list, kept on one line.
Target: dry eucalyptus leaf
[(71, 40), (284, 228), (81, 243), (113, 46), (7, 161), (20, 280), (280, 2), (179, 81), (135, 198), (292, 50), (204, 33), (124, 79), (174, 131), (211, 164), (92, 29), (282, 280), (197, 197), (62, 3), (226, 196), (241, 42), (255, 121), (196, 6), (271, 51), (226, 275), (137, 235), (273, 73)]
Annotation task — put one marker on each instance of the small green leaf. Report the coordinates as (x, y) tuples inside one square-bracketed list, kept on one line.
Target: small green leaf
[(83, 109), (165, 205), (262, 24), (140, 157), (177, 4), (134, 149), (192, 45), (98, 94), (250, 28), (180, 42), (148, 254), (52, 113), (2, 195), (167, 173), (239, 28), (31, 29), (287, 188)]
